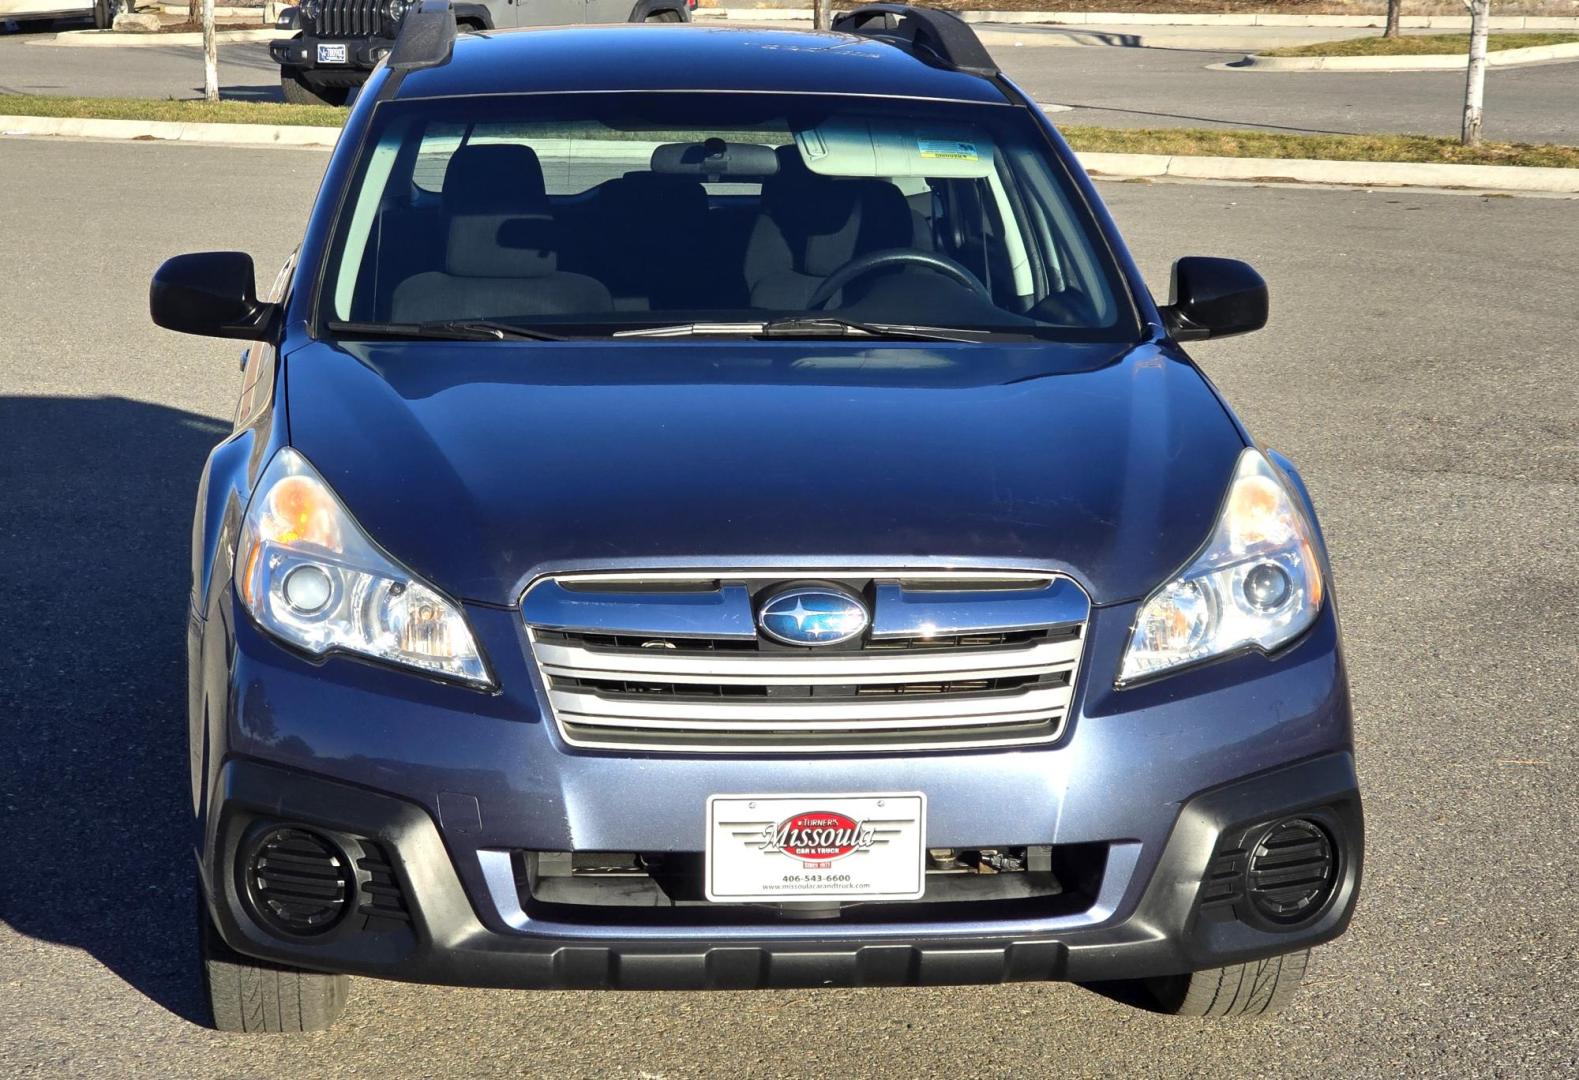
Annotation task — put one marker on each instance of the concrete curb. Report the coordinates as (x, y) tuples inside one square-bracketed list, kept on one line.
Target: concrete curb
[(1348, 173), (265, 14), (1149, 166), (109, 39), (322, 138), (1134, 18), (1436, 62)]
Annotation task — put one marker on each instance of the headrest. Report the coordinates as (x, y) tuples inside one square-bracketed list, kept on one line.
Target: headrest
[(826, 221), (638, 193), (494, 178), (815, 202), (501, 246), (716, 158)]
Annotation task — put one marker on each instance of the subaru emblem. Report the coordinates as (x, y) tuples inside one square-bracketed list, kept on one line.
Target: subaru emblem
[(812, 616)]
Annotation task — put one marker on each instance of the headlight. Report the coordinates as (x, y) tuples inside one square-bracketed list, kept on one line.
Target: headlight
[(309, 575), (395, 9), (1256, 583), (310, 9)]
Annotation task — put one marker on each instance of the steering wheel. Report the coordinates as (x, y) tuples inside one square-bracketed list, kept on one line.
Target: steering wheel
[(862, 265)]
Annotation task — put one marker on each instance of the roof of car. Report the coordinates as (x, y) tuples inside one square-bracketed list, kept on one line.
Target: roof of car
[(712, 58)]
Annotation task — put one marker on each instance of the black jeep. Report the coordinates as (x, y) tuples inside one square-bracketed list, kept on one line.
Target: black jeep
[(340, 41)]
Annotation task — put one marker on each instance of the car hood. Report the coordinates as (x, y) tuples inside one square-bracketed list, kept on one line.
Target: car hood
[(480, 464)]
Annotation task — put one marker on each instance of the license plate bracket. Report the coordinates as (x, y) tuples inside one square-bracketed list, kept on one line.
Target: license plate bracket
[(816, 847)]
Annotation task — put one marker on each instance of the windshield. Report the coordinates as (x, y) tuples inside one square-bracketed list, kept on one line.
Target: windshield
[(714, 214)]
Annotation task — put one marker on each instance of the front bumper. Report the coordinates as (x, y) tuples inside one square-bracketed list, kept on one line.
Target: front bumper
[(458, 938), (362, 55), (448, 782)]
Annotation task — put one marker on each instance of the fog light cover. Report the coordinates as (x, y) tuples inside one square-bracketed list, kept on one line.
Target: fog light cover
[(1291, 872), (297, 882)]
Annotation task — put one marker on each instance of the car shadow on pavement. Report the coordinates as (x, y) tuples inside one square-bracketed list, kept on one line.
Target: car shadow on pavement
[(96, 498), (262, 92), (1203, 121), (42, 26), (1074, 35)]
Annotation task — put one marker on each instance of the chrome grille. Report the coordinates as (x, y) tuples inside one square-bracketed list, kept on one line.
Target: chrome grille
[(665, 662)]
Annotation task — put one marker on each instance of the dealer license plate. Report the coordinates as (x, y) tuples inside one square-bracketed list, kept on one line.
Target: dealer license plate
[(816, 847), (331, 54)]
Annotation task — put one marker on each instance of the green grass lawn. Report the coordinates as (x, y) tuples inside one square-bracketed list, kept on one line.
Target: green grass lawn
[(1209, 142), (185, 112), (1420, 45)]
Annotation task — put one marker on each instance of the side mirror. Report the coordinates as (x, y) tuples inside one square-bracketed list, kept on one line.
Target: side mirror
[(213, 293), (1214, 298)]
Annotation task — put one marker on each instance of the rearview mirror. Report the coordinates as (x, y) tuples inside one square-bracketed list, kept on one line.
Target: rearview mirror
[(1213, 298), (213, 293)]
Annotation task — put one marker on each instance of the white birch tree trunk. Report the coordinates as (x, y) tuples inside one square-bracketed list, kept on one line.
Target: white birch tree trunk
[(210, 54), (1475, 86)]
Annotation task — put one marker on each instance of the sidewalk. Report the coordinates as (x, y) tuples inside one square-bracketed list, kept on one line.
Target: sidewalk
[(1137, 18), (994, 35), (1499, 178), (1538, 54), (1204, 33)]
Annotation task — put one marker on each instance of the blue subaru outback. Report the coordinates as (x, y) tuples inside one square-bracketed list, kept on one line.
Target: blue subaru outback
[(718, 508)]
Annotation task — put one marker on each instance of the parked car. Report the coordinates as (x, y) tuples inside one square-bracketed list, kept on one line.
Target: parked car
[(102, 12), (719, 508), (340, 41)]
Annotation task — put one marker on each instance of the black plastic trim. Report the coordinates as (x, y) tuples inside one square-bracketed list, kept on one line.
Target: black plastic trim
[(426, 38), (447, 942), (646, 8), (301, 52), (940, 35), (473, 13)]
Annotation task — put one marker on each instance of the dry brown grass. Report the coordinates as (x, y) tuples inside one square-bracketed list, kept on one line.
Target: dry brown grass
[(1421, 45), (1201, 141)]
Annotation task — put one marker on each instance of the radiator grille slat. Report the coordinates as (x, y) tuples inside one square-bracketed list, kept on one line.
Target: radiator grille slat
[(353, 18), (756, 669), (616, 681)]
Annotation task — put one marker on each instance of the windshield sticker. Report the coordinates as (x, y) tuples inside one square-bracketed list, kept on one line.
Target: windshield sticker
[(953, 149)]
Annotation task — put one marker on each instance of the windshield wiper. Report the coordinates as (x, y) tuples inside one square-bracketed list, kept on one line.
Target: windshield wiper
[(444, 329), (808, 326), (694, 329), (832, 326)]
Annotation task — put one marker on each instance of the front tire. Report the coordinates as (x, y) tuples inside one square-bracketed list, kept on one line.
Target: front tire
[(298, 91), (104, 12), (252, 995), (1254, 989)]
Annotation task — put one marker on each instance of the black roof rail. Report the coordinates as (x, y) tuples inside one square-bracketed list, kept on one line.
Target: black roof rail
[(426, 38), (941, 34)]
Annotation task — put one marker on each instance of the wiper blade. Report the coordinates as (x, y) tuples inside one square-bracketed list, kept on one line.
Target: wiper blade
[(693, 329), (446, 330), (827, 326), (805, 326)]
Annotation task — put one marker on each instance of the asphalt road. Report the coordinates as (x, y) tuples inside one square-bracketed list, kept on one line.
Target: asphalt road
[(149, 71), (1108, 85), (1418, 367), (1155, 87)]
